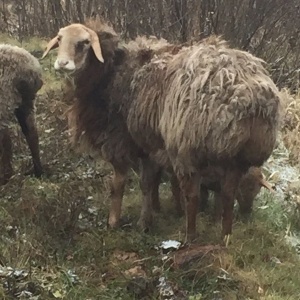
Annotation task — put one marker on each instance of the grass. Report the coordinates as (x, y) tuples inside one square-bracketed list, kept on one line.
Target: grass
[(54, 233)]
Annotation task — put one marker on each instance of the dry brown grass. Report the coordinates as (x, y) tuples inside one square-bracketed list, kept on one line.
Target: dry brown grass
[(291, 125)]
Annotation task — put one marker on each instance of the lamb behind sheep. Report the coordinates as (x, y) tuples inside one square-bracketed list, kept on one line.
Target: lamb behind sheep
[(20, 79), (249, 187)]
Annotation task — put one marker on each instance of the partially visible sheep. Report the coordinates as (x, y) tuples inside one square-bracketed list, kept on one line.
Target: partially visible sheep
[(249, 187), (20, 79)]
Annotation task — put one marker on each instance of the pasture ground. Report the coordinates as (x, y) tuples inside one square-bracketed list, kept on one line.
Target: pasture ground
[(54, 243)]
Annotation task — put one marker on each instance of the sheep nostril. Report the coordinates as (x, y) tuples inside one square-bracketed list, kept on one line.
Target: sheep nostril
[(63, 63)]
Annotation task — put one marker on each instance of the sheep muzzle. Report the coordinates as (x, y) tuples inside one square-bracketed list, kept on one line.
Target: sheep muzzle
[(63, 63)]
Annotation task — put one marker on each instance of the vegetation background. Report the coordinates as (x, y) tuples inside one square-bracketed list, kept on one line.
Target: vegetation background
[(268, 28), (54, 243)]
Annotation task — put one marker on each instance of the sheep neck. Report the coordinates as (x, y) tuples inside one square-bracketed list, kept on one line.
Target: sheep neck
[(91, 82)]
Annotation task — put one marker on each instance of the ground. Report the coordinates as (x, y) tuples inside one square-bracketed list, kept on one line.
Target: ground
[(55, 244)]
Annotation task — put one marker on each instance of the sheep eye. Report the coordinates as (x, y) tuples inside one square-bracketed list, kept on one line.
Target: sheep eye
[(59, 38), (84, 42)]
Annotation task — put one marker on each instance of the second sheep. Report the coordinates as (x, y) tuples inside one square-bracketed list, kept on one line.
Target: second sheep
[(20, 80)]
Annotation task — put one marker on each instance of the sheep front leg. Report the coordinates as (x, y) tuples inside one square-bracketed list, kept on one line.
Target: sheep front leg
[(117, 191), (6, 156), (26, 120), (190, 188), (229, 188), (149, 184)]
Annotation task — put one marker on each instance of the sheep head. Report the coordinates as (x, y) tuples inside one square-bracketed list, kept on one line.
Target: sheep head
[(73, 43), (250, 185), (259, 178)]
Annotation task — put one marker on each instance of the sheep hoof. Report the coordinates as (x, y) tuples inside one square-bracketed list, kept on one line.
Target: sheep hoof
[(36, 172), (227, 239), (113, 222), (145, 222)]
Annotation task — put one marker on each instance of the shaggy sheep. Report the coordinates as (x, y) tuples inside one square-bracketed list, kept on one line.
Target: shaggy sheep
[(211, 106), (96, 123), (203, 106), (19, 82)]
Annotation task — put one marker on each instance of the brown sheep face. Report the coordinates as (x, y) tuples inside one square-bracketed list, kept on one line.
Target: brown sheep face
[(73, 43), (250, 186)]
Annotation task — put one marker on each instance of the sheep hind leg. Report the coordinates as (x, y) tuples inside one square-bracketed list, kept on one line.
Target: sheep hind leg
[(6, 156), (177, 195), (117, 191), (26, 120), (149, 183), (228, 193), (190, 188)]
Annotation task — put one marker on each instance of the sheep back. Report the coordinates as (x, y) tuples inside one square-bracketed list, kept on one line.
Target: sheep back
[(20, 79), (139, 53), (211, 103)]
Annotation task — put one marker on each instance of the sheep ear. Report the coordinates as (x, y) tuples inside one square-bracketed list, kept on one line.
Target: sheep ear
[(95, 43), (267, 185), (51, 45)]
